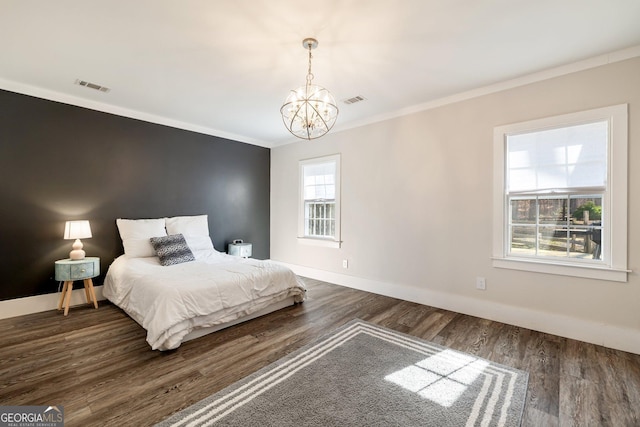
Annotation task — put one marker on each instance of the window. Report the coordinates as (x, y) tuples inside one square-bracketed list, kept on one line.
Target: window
[(319, 213), (560, 194)]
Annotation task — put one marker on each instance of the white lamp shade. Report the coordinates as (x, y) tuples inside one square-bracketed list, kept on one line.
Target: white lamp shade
[(77, 230)]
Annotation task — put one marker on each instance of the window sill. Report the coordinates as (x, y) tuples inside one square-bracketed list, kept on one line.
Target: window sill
[(586, 271), (327, 243)]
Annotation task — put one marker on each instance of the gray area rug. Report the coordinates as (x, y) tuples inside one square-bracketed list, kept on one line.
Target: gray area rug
[(367, 375)]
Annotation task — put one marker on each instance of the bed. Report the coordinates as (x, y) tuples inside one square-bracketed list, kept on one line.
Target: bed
[(202, 292)]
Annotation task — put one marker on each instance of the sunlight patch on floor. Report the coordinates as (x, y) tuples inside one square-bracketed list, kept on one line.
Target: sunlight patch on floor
[(441, 378)]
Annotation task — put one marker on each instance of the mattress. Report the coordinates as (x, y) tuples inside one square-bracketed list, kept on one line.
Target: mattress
[(216, 288)]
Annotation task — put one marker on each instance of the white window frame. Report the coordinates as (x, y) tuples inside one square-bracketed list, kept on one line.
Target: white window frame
[(614, 201), (331, 242)]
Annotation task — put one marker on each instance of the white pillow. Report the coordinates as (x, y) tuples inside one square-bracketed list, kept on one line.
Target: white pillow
[(198, 244), (195, 230), (188, 225), (135, 235)]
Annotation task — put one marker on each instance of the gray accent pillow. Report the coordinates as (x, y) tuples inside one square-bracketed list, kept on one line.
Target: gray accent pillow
[(172, 249)]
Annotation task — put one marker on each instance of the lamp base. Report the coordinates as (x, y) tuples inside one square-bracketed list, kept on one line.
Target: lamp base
[(77, 252)]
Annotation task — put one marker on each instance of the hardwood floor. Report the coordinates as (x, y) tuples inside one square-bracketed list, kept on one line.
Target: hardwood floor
[(97, 364)]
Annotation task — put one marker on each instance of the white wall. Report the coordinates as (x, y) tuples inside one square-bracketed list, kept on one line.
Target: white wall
[(416, 211)]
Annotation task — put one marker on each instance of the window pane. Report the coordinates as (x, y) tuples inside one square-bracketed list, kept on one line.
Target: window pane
[(586, 210), (553, 211), (523, 211), (594, 247), (523, 240), (552, 241), (580, 242)]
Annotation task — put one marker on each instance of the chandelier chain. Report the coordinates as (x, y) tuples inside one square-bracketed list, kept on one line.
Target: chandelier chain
[(309, 73)]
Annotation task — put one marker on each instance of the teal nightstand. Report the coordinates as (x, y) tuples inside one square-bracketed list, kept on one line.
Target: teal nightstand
[(68, 270)]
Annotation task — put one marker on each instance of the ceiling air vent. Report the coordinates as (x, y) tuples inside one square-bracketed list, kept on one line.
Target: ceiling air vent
[(92, 85), (353, 100)]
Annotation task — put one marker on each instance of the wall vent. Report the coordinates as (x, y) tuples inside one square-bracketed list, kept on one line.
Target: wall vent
[(353, 100), (92, 85)]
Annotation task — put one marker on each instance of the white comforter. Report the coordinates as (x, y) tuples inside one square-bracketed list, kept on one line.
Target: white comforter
[(169, 302)]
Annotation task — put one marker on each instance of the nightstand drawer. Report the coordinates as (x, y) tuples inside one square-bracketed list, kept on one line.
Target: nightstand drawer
[(77, 270)]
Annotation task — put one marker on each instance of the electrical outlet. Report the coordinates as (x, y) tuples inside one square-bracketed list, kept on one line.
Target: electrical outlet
[(481, 283), (345, 263)]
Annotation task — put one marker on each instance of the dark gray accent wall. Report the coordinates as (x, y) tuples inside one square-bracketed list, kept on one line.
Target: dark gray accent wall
[(60, 162)]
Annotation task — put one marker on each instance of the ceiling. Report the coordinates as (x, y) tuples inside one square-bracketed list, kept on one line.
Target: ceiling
[(225, 67)]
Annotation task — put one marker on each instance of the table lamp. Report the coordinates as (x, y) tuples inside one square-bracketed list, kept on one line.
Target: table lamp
[(77, 230)]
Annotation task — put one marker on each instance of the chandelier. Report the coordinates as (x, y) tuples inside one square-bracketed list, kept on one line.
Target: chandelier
[(309, 111)]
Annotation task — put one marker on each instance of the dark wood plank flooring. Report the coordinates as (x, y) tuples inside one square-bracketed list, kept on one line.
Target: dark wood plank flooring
[(97, 364)]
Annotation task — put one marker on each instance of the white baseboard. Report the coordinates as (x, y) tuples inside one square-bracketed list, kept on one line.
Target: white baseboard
[(611, 336), (36, 304)]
